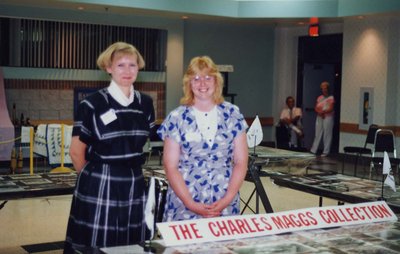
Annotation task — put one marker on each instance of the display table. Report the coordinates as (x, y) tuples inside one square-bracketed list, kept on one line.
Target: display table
[(340, 187), (49, 184), (280, 154), (283, 161), (37, 185), (369, 238), (266, 161)]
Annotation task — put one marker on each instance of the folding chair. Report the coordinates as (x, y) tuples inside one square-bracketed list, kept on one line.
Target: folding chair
[(384, 142), (358, 150)]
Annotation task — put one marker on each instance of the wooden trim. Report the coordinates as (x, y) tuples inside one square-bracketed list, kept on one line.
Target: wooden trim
[(265, 121), (351, 128), (354, 128), (51, 121)]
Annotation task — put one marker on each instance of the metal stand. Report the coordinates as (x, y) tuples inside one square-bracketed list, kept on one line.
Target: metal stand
[(254, 168), (3, 204)]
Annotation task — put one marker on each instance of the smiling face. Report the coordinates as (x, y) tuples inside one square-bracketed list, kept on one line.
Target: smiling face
[(290, 102), (124, 69), (203, 86)]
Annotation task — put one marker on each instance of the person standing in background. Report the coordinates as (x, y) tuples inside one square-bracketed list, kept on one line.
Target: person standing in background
[(205, 148), (111, 127), (324, 108)]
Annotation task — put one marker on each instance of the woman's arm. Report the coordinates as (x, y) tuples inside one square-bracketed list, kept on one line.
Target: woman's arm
[(176, 181), (239, 172), (330, 106), (77, 152), (318, 108)]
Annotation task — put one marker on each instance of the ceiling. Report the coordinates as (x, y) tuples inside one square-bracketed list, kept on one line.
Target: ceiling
[(276, 11)]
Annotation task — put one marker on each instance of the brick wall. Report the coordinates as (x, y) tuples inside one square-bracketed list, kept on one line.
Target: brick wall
[(54, 99)]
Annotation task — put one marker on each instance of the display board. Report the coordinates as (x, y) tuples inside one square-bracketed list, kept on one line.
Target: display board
[(283, 161)]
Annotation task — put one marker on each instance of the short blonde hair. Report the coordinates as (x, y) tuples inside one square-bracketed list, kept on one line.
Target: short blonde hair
[(324, 83), (198, 64), (118, 48)]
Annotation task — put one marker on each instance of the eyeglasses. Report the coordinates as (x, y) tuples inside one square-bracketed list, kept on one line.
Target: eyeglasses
[(196, 80)]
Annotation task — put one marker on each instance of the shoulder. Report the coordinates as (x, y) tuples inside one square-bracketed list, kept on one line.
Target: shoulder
[(228, 107), (176, 113), (96, 98), (180, 110), (143, 97), (230, 112)]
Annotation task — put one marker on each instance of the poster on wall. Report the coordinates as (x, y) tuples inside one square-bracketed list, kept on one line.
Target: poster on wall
[(366, 110)]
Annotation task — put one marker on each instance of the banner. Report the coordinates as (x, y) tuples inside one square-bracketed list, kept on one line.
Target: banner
[(253, 225)]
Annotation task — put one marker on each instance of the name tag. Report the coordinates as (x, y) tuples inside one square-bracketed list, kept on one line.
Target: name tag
[(108, 117)]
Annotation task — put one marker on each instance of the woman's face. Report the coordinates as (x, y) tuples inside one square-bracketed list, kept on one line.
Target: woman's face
[(124, 69), (203, 86)]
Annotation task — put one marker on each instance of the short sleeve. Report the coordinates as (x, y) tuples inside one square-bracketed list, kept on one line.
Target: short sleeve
[(83, 124), (170, 127), (237, 123), (148, 109)]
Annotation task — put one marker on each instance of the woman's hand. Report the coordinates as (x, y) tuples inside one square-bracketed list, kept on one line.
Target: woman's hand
[(77, 153), (220, 205), (204, 210)]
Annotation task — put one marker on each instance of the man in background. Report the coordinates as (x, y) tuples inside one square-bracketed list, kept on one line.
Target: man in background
[(291, 119)]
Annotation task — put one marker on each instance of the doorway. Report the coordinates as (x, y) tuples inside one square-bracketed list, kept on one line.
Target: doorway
[(313, 75), (320, 59)]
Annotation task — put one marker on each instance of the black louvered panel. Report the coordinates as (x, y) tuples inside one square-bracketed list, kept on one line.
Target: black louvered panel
[(52, 44)]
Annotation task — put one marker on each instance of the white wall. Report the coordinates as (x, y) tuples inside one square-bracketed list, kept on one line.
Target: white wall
[(370, 59)]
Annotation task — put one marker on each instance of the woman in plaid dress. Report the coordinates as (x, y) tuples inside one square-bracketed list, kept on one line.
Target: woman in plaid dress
[(111, 127)]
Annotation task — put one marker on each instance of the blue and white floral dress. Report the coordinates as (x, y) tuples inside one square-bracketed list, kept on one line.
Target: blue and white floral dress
[(205, 168)]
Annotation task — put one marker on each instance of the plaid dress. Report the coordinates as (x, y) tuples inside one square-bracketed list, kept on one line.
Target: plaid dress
[(108, 202)]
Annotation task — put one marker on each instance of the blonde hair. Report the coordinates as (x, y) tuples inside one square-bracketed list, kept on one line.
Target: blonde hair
[(326, 83), (118, 48), (199, 64)]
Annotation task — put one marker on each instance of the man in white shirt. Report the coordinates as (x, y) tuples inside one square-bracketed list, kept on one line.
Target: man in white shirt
[(291, 118)]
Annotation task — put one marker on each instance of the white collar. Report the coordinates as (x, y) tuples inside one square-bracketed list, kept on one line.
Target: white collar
[(118, 95)]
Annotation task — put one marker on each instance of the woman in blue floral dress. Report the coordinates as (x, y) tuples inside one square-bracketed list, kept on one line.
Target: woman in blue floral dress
[(205, 148)]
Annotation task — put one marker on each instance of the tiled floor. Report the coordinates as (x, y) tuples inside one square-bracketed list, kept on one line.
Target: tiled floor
[(27, 222)]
